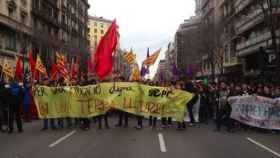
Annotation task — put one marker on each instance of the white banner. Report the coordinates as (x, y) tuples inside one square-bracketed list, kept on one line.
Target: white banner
[(256, 111)]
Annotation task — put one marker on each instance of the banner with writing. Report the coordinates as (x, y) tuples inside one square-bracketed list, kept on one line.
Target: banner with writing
[(93, 100), (256, 111)]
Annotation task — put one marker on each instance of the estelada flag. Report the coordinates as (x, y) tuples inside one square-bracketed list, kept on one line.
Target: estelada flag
[(103, 56), (19, 71), (152, 58), (40, 66)]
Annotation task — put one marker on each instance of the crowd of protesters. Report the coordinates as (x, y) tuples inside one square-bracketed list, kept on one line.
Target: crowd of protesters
[(16, 100)]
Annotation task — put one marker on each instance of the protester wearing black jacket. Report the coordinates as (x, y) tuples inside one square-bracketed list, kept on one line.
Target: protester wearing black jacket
[(2, 103), (189, 87), (224, 109), (15, 97)]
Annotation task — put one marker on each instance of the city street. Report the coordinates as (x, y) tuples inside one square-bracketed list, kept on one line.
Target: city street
[(196, 142)]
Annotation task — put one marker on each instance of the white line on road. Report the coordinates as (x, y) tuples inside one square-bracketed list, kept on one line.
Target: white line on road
[(162, 143), (263, 146), (62, 139)]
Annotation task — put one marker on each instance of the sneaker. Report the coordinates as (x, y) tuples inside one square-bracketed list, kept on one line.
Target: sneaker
[(138, 127), (191, 124)]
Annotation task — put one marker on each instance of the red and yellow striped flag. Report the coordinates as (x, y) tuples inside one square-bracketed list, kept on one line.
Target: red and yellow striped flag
[(61, 66), (152, 58), (130, 57)]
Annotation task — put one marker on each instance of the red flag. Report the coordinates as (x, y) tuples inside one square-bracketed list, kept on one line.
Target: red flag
[(75, 68), (18, 72), (32, 63), (54, 72), (103, 55)]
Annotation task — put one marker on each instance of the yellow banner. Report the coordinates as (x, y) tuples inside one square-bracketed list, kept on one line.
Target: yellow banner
[(89, 101)]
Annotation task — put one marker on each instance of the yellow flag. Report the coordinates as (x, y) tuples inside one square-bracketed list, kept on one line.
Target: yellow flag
[(60, 59), (152, 59), (8, 70), (40, 66), (135, 75)]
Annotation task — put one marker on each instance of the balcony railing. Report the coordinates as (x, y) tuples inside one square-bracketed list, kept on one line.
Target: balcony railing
[(249, 22), (254, 41), (241, 4)]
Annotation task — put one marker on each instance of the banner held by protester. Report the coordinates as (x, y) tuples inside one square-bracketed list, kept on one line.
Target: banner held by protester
[(256, 111), (89, 101)]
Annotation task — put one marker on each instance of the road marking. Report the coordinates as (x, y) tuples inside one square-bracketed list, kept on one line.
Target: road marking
[(263, 146), (162, 143), (62, 139)]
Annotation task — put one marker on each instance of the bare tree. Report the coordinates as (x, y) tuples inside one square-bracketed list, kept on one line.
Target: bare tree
[(211, 44)]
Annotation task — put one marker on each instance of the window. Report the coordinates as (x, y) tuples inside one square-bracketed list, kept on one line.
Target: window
[(11, 41), (23, 16), (95, 38), (11, 12), (101, 25), (23, 2), (102, 32), (95, 30)]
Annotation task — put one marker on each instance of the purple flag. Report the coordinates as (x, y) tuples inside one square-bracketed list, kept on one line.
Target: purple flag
[(161, 77), (175, 71), (144, 71), (189, 69)]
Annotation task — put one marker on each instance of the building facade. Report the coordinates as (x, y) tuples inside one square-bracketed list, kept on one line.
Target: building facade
[(15, 29), (98, 27), (60, 26), (186, 47), (162, 72), (249, 39), (120, 66), (45, 27)]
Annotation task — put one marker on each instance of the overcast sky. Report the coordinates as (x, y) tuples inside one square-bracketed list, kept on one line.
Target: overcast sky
[(145, 23)]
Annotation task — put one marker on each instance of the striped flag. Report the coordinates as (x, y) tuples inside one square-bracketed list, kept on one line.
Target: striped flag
[(130, 57), (61, 66), (152, 58)]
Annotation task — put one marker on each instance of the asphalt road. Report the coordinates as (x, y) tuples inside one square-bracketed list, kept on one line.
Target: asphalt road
[(196, 142)]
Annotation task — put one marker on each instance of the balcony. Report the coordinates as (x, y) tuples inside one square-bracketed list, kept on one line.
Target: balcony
[(249, 22), (42, 14), (253, 44), (231, 62), (241, 4), (254, 41)]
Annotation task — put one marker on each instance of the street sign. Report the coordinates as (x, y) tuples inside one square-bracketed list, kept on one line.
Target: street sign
[(271, 58)]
